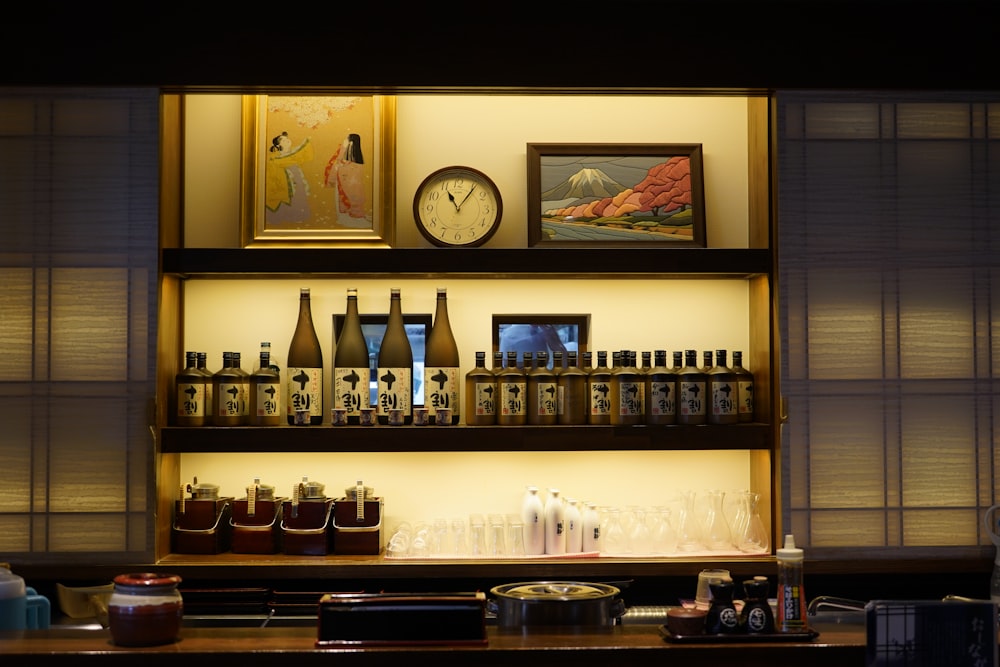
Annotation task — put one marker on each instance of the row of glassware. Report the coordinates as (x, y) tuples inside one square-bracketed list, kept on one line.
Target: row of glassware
[(693, 524)]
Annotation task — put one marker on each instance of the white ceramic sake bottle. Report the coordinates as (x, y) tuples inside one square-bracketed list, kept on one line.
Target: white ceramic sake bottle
[(555, 527), (591, 528), (533, 516), (573, 521)]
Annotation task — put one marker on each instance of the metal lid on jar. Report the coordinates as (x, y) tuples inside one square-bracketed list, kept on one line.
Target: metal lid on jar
[(264, 491), (555, 590), (203, 491), (311, 490)]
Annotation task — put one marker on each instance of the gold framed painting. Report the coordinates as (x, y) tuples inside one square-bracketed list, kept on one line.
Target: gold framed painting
[(318, 170)]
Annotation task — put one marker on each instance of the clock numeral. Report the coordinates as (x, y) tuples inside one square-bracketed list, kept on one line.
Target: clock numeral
[(432, 196)]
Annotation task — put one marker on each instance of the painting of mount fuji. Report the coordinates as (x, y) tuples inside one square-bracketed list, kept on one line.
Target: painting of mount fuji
[(615, 195)]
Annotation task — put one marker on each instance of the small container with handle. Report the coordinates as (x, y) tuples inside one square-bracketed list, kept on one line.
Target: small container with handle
[(21, 607)]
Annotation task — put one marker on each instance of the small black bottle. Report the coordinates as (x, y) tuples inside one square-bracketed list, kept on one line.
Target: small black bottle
[(722, 618), (757, 617)]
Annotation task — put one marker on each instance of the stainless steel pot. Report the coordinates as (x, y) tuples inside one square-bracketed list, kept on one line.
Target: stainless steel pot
[(547, 603)]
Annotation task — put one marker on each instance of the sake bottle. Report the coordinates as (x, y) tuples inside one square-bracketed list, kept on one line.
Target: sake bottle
[(660, 391), (265, 392), (209, 394), (533, 522), (190, 394), (244, 384), (555, 526), (543, 392), (441, 364), (395, 365), (591, 528), (599, 391), (305, 366), (351, 369), (744, 392), (626, 393), (226, 390), (512, 392), (723, 390), (480, 394), (691, 391), (572, 384), (573, 521)]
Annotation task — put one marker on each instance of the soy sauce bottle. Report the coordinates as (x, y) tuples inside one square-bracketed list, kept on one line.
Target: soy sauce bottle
[(305, 366)]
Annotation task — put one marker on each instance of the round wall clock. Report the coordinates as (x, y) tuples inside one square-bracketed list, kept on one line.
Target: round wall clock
[(457, 207)]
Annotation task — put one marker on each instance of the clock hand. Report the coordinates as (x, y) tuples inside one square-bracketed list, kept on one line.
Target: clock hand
[(451, 198), (467, 194)]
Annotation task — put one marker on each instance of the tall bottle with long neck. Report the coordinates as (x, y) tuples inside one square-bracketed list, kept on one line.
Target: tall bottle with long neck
[(395, 365), (441, 365), (351, 369), (305, 366), (265, 392)]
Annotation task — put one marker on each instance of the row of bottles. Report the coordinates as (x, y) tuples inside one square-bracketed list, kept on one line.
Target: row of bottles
[(556, 526), (233, 397), (570, 392), (622, 394)]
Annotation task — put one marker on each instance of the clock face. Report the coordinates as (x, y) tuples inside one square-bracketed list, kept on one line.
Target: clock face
[(457, 206)]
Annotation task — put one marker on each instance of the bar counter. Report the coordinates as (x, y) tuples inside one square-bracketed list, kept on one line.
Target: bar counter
[(640, 645)]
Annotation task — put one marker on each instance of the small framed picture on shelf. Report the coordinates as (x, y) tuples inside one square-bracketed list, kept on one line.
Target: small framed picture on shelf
[(541, 333), (373, 327), (615, 195), (318, 170)]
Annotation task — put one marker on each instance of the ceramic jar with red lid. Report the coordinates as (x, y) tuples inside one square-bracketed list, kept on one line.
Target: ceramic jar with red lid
[(145, 609)]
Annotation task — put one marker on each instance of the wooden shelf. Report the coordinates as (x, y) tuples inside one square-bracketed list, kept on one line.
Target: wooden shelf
[(576, 262), (245, 439), (280, 566)]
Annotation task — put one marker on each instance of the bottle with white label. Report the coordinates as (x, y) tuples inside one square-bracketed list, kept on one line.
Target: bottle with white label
[(226, 390), (627, 393), (661, 407), (555, 524), (744, 392), (691, 391), (480, 394), (599, 392), (351, 367), (305, 366), (265, 394), (395, 365), (190, 394), (543, 392), (533, 518), (441, 364)]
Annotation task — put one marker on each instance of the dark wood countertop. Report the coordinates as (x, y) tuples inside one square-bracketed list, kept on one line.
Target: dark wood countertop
[(840, 646)]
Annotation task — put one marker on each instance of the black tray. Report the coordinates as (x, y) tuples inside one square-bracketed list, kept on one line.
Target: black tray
[(744, 638)]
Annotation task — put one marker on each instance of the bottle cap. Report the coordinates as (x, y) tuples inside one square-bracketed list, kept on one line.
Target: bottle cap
[(789, 551)]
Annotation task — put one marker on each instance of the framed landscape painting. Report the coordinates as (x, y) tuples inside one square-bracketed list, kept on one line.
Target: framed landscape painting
[(318, 170), (609, 195)]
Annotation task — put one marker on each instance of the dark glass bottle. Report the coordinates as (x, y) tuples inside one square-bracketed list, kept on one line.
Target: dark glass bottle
[(209, 403), (265, 394), (351, 366), (691, 391), (744, 392), (480, 394), (586, 360), (723, 389), (190, 394), (572, 384), (226, 388), (626, 392), (441, 364), (244, 381), (395, 365), (756, 616), (661, 407), (305, 366), (543, 392), (647, 359), (512, 393), (599, 392), (706, 361)]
